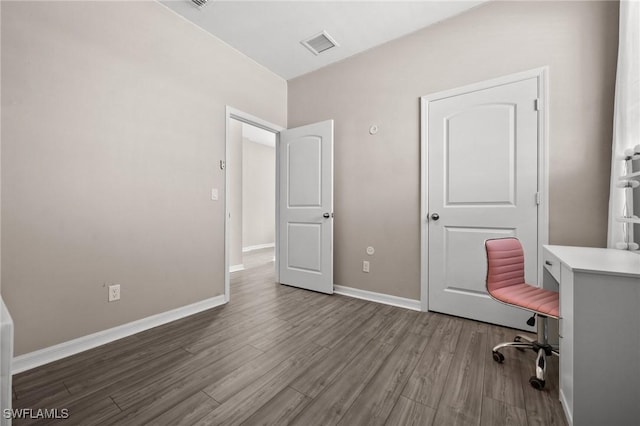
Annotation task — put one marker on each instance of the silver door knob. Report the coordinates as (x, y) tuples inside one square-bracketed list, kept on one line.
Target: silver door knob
[(435, 216), (326, 215)]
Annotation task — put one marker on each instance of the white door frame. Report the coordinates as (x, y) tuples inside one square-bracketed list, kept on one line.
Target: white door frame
[(236, 114), (543, 165)]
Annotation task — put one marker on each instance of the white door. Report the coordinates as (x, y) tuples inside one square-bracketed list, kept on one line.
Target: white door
[(483, 183), (306, 207)]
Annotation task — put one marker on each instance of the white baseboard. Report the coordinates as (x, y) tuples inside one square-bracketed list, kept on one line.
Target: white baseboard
[(236, 268), (257, 247), (6, 355), (371, 296), (62, 350)]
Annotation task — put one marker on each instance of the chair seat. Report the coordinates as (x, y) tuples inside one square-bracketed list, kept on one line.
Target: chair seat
[(536, 299)]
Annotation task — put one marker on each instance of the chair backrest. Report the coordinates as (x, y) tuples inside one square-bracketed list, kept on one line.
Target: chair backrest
[(505, 263)]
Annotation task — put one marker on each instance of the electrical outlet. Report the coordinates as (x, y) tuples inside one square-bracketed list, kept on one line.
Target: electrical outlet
[(365, 266), (114, 292)]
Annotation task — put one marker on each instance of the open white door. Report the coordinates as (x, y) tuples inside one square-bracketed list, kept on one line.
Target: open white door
[(306, 207), (483, 183)]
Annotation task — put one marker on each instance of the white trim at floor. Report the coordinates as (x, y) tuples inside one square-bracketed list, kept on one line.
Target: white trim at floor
[(236, 268), (371, 296), (258, 247), (62, 350)]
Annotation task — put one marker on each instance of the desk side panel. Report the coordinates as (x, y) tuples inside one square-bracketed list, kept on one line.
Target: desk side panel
[(606, 346), (566, 342)]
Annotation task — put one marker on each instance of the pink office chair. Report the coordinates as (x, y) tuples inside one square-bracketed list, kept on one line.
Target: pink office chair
[(505, 283)]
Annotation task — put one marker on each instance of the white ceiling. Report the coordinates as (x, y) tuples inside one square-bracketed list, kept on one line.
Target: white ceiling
[(270, 32)]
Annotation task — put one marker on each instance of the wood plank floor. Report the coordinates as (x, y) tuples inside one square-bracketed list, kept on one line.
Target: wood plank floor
[(279, 355)]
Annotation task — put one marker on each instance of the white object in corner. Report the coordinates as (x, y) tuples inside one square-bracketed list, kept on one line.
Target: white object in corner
[(62, 350), (371, 296), (6, 353), (625, 120)]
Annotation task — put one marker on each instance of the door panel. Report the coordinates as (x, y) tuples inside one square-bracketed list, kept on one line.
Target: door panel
[(469, 180), (304, 161), (306, 207), (307, 238), (483, 180), (462, 243)]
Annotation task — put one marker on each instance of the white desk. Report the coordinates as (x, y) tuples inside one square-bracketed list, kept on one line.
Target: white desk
[(599, 333)]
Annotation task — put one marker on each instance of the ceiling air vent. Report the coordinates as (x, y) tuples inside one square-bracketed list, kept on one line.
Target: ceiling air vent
[(200, 3), (319, 43)]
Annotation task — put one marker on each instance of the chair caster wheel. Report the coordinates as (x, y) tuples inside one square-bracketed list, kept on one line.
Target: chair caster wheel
[(498, 357), (518, 339), (536, 383)]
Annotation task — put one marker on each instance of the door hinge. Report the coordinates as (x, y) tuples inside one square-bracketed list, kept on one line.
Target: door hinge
[(538, 198), (223, 164), (537, 105)]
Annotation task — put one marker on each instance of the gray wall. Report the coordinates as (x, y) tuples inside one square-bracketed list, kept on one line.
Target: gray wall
[(377, 177), (113, 123), (258, 194), (0, 161), (3, 396)]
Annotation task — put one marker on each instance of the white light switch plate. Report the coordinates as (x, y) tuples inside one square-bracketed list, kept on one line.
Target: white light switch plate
[(214, 194)]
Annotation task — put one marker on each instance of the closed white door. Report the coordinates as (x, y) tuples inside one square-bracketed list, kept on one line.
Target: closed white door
[(306, 207), (483, 183)]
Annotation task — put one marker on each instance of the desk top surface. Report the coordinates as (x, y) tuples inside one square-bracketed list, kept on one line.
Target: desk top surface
[(598, 260)]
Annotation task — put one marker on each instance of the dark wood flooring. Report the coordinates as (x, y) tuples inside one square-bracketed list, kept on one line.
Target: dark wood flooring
[(279, 355)]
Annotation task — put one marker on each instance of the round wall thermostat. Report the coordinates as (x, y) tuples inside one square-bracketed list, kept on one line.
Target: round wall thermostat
[(373, 129), (370, 251)]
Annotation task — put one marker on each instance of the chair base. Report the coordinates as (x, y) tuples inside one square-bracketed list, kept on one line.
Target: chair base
[(543, 350)]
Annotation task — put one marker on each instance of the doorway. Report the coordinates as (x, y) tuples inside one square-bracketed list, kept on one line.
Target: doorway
[(483, 176), (303, 202), (233, 117), (252, 177)]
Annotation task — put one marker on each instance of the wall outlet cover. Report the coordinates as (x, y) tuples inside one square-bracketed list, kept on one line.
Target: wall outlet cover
[(114, 292)]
